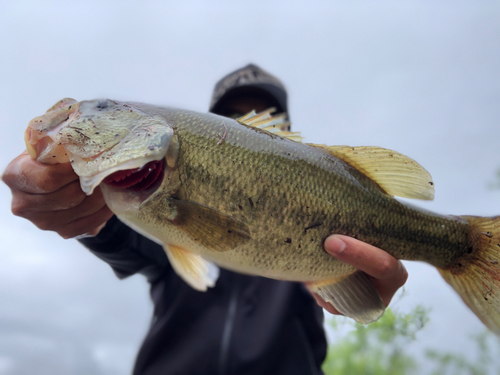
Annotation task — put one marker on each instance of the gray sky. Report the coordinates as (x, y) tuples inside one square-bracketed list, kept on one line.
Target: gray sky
[(421, 78)]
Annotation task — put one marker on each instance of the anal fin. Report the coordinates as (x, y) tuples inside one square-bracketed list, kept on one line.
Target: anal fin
[(353, 296), (192, 268)]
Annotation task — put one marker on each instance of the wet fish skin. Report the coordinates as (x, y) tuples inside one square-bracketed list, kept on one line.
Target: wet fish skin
[(257, 203), (285, 187)]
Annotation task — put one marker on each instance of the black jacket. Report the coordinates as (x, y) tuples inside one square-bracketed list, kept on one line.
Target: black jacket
[(244, 325)]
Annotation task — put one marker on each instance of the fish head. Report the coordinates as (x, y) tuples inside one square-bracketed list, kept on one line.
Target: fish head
[(122, 144)]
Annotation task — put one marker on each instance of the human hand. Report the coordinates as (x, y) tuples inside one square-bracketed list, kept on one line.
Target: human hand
[(385, 272), (51, 198)]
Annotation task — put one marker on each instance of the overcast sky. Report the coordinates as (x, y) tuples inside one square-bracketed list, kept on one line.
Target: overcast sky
[(421, 78)]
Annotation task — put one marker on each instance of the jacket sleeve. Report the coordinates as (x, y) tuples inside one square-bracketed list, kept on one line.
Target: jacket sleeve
[(128, 252)]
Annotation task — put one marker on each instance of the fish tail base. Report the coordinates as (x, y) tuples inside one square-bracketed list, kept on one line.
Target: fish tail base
[(476, 275)]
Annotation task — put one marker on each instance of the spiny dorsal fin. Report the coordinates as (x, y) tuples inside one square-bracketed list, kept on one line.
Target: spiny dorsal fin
[(253, 116), (294, 136), (395, 173), (273, 124)]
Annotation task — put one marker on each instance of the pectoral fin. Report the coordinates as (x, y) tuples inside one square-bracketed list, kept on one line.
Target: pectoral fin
[(353, 296), (192, 268), (207, 226)]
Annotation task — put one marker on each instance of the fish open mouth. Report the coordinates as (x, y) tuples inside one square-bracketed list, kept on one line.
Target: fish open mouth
[(148, 177)]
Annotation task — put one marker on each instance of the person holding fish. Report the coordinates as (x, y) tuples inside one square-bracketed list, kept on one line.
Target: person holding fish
[(242, 325)]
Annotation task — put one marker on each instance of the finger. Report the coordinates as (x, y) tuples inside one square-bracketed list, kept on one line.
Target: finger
[(55, 220), (90, 205), (386, 272), (68, 196), (367, 258), (87, 226), (26, 175), (388, 287), (326, 305)]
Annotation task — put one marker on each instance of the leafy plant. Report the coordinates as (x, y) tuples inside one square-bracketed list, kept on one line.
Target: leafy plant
[(456, 364), (380, 348), (377, 348)]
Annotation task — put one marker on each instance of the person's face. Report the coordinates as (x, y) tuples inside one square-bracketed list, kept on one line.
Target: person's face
[(238, 107)]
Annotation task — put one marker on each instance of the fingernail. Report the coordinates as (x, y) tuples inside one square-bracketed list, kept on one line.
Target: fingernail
[(334, 245)]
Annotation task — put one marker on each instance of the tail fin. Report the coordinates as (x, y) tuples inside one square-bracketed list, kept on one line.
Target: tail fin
[(476, 276)]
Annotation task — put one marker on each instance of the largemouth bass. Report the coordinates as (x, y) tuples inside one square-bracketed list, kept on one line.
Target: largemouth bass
[(251, 198)]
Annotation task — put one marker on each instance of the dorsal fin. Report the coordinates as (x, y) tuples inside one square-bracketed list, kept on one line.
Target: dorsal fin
[(252, 116), (294, 136), (273, 124), (395, 173)]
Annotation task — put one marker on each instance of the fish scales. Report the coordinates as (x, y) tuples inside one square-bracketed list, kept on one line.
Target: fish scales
[(293, 186), (210, 188)]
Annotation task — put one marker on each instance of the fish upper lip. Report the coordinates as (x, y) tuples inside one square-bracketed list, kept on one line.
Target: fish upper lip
[(41, 133)]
